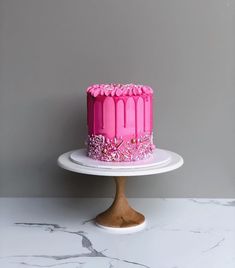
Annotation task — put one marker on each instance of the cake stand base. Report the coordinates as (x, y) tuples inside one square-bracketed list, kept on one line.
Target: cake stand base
[(123, 230), (120, 217)]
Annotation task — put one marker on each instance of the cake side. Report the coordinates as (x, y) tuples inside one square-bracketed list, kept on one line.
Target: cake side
[(119, 119)]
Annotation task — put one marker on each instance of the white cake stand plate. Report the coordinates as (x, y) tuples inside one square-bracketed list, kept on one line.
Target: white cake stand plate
[(159, 157), (120, 217), (162, 161)]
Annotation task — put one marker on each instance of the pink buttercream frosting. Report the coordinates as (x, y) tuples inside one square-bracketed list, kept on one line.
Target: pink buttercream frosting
[(120, 122), (119, 90)]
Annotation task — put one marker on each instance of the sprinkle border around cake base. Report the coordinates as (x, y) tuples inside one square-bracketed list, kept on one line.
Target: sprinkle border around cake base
[(118, 149)]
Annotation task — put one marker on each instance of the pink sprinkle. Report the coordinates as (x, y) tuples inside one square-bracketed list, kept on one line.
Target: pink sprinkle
[(118, 90), (119, 150)]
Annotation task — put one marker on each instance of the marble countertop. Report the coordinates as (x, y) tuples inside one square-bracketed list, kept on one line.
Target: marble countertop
[(59, 232)]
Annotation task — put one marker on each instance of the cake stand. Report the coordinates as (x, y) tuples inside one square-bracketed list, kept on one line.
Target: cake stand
[(120, 217)]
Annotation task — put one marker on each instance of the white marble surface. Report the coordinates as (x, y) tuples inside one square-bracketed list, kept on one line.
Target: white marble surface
[(56, 232)]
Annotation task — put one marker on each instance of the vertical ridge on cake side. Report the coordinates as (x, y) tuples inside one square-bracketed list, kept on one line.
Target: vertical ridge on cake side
[(120, 122)]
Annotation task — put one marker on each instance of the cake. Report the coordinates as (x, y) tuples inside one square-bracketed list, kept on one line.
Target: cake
[(120, 122)]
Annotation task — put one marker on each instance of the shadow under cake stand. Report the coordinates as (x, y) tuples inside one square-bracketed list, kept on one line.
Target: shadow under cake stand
[(120, 217)]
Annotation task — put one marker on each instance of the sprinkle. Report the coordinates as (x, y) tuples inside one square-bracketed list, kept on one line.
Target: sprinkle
[(119, 90), (118, 149)]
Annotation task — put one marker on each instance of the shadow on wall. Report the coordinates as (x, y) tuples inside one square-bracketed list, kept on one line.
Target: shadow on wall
[(71, 131)]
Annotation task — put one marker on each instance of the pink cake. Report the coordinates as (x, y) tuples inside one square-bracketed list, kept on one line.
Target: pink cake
[(119, 119)]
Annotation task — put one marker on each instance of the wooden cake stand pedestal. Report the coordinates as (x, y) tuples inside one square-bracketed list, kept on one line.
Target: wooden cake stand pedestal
[(120, 217), (120, 214)]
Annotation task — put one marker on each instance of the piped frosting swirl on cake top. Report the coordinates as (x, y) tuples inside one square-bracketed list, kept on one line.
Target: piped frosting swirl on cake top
[(119, 90)]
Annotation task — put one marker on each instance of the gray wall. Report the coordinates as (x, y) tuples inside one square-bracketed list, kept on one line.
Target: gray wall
[(50, 51)]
